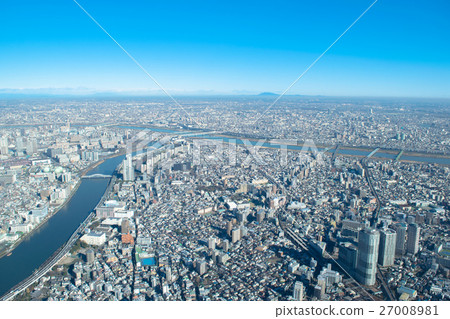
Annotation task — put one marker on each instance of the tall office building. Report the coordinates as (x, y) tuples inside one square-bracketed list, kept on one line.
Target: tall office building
[(412, 245), (168, 272), (260, 216), (241, 216), (31, 146), (400, 244), (90, 256), (128, 169), (411, 219), (244, 231), (368, 243), (212, 243), (388, 240), (19, 144), (3, 145), (125, 226), (298, 291), (235, 235), (229, 227), (201, 267), (225, 245), (348, 255)]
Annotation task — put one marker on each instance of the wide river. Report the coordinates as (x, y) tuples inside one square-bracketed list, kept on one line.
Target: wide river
[(35, 250), (31, 253), (342, 151)]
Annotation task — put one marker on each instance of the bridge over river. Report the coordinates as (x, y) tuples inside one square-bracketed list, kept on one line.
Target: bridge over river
[(97, 176)]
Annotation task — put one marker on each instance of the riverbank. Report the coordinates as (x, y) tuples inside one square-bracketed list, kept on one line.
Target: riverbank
[(82, 173), (344, 147), (35, 252), (253, 138), (62, 251), (38, 226)]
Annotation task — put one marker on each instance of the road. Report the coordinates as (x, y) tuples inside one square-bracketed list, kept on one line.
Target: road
[(373, 223), (368, 175), (333, 157), (385, 287)]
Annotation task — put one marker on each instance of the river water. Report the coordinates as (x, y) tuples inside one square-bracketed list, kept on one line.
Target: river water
[(343, 151), (35, 250), (31, 253)]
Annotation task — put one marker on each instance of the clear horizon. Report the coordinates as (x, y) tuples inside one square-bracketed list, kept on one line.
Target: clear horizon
[(395, 50)]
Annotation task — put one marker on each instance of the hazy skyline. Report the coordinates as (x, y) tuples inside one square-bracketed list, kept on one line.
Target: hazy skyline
[(227, 48)]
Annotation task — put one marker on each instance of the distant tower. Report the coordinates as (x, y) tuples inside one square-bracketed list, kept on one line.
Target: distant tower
[(368, 242), (388, 239), (19, 144), (400, 244), (128, 169), (4, 145), (31, 146), (412, 245), (298, 291)]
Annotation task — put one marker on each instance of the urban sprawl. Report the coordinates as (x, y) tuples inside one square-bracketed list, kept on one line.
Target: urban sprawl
[(201, 209)]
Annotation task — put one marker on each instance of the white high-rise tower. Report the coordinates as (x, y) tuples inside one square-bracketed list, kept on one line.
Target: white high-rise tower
[(128, 169)]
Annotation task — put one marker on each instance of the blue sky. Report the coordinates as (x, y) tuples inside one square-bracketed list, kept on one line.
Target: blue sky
[(399, 48)]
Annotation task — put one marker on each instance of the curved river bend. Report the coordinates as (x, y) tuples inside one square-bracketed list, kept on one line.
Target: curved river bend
[(35, 250)]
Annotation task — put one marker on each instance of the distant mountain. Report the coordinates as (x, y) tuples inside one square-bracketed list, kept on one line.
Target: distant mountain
[(267, 94)]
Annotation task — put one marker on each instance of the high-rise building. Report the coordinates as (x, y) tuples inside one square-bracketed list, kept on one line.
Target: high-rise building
[(368, 243), (318, 291), (225, 245), (168, 272), (212, 243), (31, 146), (244, 231), (229, 227), (388, 240), (241, 216), (412, 245), (235, 235), (90, 155), (201, 267), (260, 216), (348, 255), (298, 291), (411, 219), (125, 226), (400, 244), (66, 177), (128, 169), (90, 256), (19, 144), (3, 145)]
